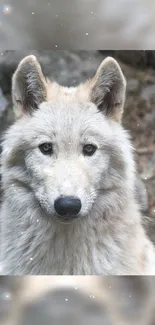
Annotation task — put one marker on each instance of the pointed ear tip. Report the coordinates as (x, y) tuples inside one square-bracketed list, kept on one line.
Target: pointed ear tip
[(31, 58), (22, 63), (28, 58), (110, 61)]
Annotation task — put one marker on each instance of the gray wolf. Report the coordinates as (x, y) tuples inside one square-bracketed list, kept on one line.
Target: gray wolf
[(68, 176)]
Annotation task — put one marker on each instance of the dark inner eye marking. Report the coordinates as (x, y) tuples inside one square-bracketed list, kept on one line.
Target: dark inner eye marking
[(89, 149), (46, 148)]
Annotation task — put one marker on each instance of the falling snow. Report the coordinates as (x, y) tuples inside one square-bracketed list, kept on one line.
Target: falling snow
[(6, 296), (7, 9)]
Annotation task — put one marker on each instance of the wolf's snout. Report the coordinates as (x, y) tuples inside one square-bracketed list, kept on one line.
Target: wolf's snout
[(67, 205)]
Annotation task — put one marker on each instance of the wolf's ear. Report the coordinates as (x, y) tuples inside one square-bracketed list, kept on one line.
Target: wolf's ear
[(108, 88), (28, 86)]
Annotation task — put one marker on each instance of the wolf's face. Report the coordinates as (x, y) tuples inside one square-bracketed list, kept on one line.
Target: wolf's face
[(71, 146)]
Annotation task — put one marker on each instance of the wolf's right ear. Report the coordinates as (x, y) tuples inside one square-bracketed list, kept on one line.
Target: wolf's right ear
[(28, 86), (108, 88)]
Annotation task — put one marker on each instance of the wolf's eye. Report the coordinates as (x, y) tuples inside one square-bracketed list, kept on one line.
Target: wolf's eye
[(89, 149), (46, 148)]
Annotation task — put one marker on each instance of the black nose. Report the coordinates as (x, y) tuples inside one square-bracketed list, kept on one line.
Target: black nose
[(65, 205)]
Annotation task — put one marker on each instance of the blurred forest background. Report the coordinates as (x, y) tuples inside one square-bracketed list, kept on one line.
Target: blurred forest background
[(77, 24), (74, 300)]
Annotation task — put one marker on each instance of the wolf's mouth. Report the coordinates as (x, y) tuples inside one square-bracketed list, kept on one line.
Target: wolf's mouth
[(66, 219)]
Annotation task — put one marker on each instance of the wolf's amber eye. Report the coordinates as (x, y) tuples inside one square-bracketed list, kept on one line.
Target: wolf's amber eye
[(89, 149), (46, 148)]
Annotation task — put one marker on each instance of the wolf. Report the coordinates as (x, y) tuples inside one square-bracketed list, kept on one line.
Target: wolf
[(68, 175)]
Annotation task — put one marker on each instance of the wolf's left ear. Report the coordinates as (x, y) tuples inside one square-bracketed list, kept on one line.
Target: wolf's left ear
[(108, 88), (28, 86)]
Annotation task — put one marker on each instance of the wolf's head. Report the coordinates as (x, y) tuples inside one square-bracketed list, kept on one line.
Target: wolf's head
[(67, 145)]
